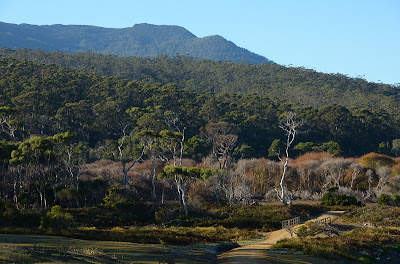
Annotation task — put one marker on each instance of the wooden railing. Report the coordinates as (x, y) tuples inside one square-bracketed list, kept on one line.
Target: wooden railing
[(289, 224), (326, 220)]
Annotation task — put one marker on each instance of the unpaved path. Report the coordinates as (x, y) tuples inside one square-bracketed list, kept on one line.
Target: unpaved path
[(258, 252)]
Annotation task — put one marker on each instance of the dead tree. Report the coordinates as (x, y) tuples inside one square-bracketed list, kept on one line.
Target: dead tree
[(222, 136), (290, 126)]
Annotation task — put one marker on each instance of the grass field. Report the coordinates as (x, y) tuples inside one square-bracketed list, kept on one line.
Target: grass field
[(52, 249)]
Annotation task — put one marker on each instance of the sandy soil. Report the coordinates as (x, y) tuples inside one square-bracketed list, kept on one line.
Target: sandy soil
[(259, 253)]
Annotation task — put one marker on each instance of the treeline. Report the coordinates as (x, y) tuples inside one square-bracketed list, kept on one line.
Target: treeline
[(47, 99), (299, 86)]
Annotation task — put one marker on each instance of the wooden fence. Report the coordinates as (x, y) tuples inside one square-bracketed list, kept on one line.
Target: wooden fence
[(326, 220), (290, 222)]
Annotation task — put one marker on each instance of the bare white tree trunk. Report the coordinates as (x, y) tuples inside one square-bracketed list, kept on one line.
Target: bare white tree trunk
[(356, 170), (282, 184), (180, 184), (153, 179), (172, 123), (290, 127)]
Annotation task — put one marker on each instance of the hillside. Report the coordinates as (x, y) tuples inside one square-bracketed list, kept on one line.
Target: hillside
[(298, 86), (48, 99), (143, 40)]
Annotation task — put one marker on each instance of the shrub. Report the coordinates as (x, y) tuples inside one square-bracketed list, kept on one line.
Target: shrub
[(349, 246), (383, 199), (318, 156), (56, 218), (68, 196), (118, 197), (330, 147), (374, 161), (395, 199), (303, 231), (7, 209), (396, 169), (165, 213), (303, 147), (331, 198)]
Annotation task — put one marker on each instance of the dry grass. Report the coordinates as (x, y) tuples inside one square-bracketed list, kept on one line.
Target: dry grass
[(374, 214), (363, 244), (50, 249)]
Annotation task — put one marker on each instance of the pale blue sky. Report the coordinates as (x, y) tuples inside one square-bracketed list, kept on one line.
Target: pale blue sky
[(353, 37)]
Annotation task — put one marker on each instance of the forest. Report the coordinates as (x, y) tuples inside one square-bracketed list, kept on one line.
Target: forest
[(51, 114), (299, 86), (120, 144)]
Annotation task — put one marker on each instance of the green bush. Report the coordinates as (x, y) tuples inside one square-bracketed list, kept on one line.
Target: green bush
[(68, 196), (56, 218), (165, 213), (395, 199), (331, 198), (7, 209), (383, 199), (118, 198), (302, 231)]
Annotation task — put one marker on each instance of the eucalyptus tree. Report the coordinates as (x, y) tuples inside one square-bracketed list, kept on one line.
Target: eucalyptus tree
[(150, 141), (173, 140), (38, 156), (182, 177), (127, 154)]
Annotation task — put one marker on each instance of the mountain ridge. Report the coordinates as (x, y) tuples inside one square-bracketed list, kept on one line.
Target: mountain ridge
[(142, 40)]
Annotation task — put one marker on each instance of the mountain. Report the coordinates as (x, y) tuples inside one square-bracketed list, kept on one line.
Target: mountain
[(142, 40)]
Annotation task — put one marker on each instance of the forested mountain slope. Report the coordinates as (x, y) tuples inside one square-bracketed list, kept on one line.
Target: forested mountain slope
[(143, 40), (38, 99), (299, 86)]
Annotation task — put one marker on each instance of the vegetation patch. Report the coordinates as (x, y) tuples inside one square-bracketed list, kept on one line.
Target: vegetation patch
[(331, 198), (359, 244), (51, 249), (170, 225), (376, 215)]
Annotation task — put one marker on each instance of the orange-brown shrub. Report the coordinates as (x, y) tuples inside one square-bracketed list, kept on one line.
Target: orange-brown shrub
[(374, 160), (396, 169), (104, 169), (318, 156)]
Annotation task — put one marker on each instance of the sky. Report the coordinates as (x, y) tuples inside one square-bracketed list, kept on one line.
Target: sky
[(358, 38)]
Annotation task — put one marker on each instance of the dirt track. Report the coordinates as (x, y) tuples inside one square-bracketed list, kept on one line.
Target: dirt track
[(258, 253)]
